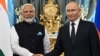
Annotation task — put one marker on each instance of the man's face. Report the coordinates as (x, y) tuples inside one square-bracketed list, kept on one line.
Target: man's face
[(28, 13), (72, 11)]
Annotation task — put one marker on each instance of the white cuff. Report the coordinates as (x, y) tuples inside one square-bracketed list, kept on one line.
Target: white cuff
[(30, 54)]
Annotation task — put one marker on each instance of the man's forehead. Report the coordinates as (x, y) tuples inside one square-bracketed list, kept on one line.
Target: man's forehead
[(72, 5), (27, 6)]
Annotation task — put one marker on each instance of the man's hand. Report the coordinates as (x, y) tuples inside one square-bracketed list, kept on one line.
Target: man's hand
[(38, 55)]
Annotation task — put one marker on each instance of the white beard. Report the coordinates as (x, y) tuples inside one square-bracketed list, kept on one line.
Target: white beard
[(28, 20)]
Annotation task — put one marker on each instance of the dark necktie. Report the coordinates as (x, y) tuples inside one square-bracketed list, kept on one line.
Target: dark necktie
[(73, 32)]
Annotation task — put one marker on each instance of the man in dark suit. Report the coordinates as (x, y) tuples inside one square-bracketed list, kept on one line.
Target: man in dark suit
[(77, 37)]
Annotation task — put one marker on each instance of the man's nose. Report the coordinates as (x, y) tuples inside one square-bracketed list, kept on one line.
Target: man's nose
[(28, 12), (70, 12)]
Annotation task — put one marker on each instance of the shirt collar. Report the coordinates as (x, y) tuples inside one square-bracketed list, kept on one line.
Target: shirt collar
[(76, 21)]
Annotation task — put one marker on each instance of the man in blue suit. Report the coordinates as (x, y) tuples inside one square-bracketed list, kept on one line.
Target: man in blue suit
[(77, 37)]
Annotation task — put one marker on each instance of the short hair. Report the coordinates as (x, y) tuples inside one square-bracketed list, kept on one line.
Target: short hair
[(74, 2), (27, 4)]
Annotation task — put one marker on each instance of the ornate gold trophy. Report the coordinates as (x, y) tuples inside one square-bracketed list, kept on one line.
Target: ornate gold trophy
[(50, 17)]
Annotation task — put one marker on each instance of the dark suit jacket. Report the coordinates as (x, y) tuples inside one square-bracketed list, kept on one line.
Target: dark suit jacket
[(86, 41)]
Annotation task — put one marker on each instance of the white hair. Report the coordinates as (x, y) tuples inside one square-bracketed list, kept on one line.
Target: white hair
[(27, 4)]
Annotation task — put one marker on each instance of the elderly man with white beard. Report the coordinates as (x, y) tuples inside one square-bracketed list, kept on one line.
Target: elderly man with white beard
[(27, 37)]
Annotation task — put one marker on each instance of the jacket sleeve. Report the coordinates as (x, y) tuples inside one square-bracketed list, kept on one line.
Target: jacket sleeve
[(58, 48), (94, 41)]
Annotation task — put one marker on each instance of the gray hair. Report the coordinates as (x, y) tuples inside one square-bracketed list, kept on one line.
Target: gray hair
[(27, 4), (75, 3)]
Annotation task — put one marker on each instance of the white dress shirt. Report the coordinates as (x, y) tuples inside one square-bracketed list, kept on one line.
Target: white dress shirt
[(17, 49), (76, 25)]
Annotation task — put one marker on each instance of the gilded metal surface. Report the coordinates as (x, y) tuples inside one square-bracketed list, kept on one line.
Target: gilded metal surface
[(50, 17)]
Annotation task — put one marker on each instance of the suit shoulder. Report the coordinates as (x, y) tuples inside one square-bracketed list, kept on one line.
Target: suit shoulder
[(64, 26), (18, 24), (38, 24), (88, 22)]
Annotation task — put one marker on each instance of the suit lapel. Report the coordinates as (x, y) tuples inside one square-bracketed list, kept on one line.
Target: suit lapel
[(79, 31), (67, 34)]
